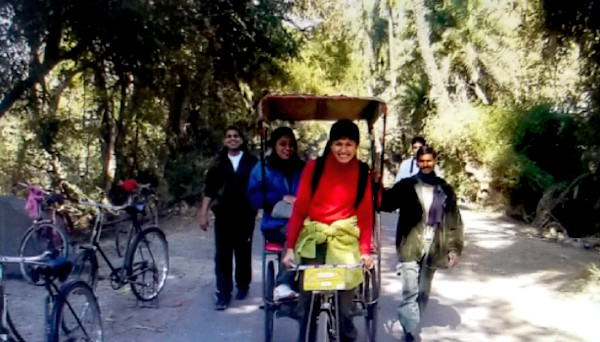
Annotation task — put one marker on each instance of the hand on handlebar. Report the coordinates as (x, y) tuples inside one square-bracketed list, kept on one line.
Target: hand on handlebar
[(367, 261), (289, 259)]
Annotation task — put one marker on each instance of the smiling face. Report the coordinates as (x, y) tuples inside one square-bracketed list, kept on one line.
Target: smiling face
[(232, 140), (284, 147), (426, 163), (344, 150)]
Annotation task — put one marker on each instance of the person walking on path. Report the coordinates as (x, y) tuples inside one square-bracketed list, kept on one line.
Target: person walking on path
[(278, 189), (409, 167), (226, 185), (332, 221), (429, 235)]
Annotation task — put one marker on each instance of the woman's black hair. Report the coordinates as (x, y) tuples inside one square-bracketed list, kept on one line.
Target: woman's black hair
[(282, 132), (426, 149), (291, 165)]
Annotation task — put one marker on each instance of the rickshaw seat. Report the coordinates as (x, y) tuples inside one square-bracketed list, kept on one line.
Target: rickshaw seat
[(273, 247)]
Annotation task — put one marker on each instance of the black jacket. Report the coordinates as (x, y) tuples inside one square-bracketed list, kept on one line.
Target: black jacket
[(227, 187)]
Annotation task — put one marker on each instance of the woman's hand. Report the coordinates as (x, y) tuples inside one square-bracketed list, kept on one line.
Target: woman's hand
[(289, 259), (289, 199), (367, 260)]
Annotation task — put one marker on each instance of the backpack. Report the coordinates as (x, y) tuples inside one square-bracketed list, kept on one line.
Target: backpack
[(363, 175)]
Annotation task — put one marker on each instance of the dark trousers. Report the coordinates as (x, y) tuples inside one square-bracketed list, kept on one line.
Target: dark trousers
[(345, 304), (278, 236), (233, 238)]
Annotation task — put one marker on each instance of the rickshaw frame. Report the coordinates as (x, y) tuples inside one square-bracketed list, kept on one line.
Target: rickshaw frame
[(293, 108)]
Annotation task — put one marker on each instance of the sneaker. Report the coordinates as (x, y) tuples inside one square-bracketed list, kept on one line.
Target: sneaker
[(399, 268), (241, 294), (283, 291), (221, 304)]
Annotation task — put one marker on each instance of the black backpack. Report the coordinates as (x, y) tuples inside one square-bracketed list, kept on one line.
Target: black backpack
[(362, 178)]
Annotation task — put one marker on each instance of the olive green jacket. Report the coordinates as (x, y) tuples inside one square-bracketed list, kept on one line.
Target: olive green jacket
[(409, 235)]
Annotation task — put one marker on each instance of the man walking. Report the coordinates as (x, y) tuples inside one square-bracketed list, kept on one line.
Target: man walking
[(429, 235), (226, 185), (409, 167)]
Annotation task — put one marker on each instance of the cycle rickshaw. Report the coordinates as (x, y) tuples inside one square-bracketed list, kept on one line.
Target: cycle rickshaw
[(292, 108)]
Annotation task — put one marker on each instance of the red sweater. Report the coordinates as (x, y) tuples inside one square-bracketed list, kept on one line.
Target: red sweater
[(333, 200)]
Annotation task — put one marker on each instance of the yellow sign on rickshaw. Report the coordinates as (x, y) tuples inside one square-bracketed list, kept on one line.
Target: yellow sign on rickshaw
[(324, 279)]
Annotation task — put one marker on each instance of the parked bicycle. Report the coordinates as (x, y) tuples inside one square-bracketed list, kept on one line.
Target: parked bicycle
[(71, 311), (46, 233), (146, 262), (124, 233)]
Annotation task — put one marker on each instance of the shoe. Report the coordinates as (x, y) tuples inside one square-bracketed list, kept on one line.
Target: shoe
[(283, 291), (241, 294), (221, 304), (409, 337)]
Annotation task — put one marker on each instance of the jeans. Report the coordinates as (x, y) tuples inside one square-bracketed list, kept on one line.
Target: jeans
[(416, 278)]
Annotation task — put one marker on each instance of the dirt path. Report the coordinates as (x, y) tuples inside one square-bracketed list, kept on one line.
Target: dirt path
[(508, 287)]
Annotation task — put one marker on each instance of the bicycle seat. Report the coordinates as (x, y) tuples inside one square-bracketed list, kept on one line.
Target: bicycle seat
[(273, 247), (54, 268), (136, 208), (53, 198)]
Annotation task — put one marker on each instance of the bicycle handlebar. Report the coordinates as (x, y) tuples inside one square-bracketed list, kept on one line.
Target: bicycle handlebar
[(36, 259), (348, 266)]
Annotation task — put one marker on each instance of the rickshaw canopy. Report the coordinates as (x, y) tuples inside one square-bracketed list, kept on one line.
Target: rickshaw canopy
[(317, 107)]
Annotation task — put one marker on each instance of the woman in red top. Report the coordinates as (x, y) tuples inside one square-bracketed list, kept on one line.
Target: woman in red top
[(329, 196)]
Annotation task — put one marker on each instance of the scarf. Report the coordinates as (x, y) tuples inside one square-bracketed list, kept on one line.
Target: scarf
[(341, 237), (436, 211)]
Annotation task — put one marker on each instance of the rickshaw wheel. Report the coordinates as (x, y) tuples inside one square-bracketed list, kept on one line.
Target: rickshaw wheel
[(269, 305), (371, 297)]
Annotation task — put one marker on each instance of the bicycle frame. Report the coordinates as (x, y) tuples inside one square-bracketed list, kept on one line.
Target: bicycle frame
[(330, 279), (97, 232)]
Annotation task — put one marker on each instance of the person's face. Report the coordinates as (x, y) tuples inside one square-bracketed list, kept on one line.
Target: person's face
[(344, 150), (284, 147), (415, 147), (232, 140), (426, 163)]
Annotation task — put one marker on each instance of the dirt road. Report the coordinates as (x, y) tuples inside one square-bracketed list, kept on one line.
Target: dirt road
[(507, 287)]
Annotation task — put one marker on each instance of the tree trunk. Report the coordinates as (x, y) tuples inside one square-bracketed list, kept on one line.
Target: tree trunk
[(107, 136), (439, 92)]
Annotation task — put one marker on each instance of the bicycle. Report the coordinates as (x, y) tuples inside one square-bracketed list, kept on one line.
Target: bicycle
[(72, 312), (325, 281), (146, 262), (143, 193), (44, 234)]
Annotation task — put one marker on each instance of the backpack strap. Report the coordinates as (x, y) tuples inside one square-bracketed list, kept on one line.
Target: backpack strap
[(363, 176)]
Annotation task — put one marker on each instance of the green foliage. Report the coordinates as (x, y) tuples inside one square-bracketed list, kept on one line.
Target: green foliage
[(550, 140)]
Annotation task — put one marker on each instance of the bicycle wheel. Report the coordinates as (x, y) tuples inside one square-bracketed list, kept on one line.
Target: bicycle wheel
[(324, 325), (76, 314), (85, 267), (147, 263), (269, 306), (13, 335), (38, 239)]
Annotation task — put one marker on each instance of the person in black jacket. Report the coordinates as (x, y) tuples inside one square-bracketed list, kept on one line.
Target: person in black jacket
[(226, 185), (429, 235)]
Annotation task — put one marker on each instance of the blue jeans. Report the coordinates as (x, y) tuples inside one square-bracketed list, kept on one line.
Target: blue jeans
[(416, 280)]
